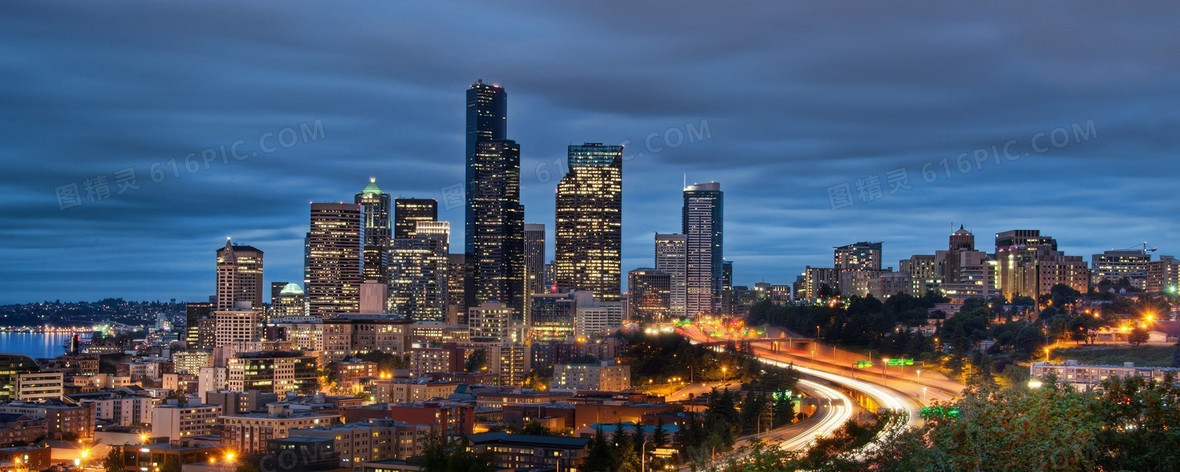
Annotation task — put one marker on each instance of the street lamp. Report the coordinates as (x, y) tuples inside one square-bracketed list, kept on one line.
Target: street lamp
[(724, 371), (884, 364)]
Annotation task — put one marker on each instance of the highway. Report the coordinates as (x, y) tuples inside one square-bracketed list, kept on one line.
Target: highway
[(882, 390)]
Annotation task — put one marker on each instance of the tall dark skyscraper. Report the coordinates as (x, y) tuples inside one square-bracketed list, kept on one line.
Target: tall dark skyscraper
[(375, 204), (407, 212), (589, 221), (534, 258), (332, 269), (702, 226), (494, 233)]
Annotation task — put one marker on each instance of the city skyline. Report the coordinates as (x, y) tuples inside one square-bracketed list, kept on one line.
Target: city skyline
[(403, 127)]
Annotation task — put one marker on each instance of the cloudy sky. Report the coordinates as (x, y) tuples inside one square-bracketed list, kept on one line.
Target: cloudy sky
[(826, 123)]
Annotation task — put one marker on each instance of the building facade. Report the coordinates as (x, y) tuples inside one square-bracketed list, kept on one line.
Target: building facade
[(333, 259), (589, 221), (702, 224)]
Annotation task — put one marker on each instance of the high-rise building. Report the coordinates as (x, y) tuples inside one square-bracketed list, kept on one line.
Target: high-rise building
[(407, 212), (375, 204), (534, 263), (961, 240), (418, 287), (239, 276), (1114, 265), (672, 259), (490, 320), (702, 224), (534, 258), (1029, 264), (332, 269), (589, 216), (456, 284), (290, 301), (1163, 275), (199, 330), (495, 218), (551, 317), (235, 326), (858, 256), (648, 295)]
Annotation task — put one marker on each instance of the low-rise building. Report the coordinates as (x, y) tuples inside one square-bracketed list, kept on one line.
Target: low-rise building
[(40, 386), (249, 432), (372, 440), (602, 377), (175, 421), (1086, 377), (525, 451), (64, 421)]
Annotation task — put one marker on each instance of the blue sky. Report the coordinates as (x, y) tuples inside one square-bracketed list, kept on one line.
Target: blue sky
[(798, 100)]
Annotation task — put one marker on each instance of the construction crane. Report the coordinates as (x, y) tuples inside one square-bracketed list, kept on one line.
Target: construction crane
[(1146, 248)]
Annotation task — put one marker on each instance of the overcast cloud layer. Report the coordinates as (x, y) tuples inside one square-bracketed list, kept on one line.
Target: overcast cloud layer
[(781, 104)]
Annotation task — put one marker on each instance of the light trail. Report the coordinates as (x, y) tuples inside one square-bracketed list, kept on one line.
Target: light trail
[(841, 411)]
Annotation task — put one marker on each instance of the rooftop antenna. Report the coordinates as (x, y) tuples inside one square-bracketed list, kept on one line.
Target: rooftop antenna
[(685, 180)]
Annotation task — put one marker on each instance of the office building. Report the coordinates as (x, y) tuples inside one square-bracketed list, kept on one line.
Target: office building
[(1029, 264), (372, 440), (239, 276), (291, 301), (648, 295), (456, 284), (176, 422), (1163, 275), (234, 326), (200, 330), (332, 270), (249, 432), (531, 452), (419, 267), (407, 212), (495, 218), (276, 372), (534, 262), (672, 259), (596, 318), (490, 320), (589, 220), (1115, 265), (40, 386), (374, 204), (551, 317), (602, 377), (702, 224)]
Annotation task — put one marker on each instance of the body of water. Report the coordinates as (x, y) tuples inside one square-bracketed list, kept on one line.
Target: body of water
[(35, 345)]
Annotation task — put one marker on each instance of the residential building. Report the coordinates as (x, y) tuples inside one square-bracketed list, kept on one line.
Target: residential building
[(249, 432), (531, 452), (233, 326), (277, 372)]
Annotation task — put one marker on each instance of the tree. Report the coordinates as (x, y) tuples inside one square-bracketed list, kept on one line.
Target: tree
[(113, 462), (476, 361), (1138, 336), (599, 458), (171, 464), (1139, 424), (441, 455), (659, 437)]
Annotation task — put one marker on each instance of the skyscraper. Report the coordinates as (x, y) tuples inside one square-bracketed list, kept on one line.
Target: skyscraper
[(672, 259), (375, 204), (702, 225), (1029, 264), (418, 280), (588, 230), (332, 269), (534, 258), (239, 276), (495, 217), (648, 295), (407, 212)]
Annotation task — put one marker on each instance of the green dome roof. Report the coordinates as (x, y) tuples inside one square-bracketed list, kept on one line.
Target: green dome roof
[(291, 289), (372, 188)]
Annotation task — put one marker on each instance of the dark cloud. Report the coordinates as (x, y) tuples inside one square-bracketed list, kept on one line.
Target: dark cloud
[(795, 98)]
